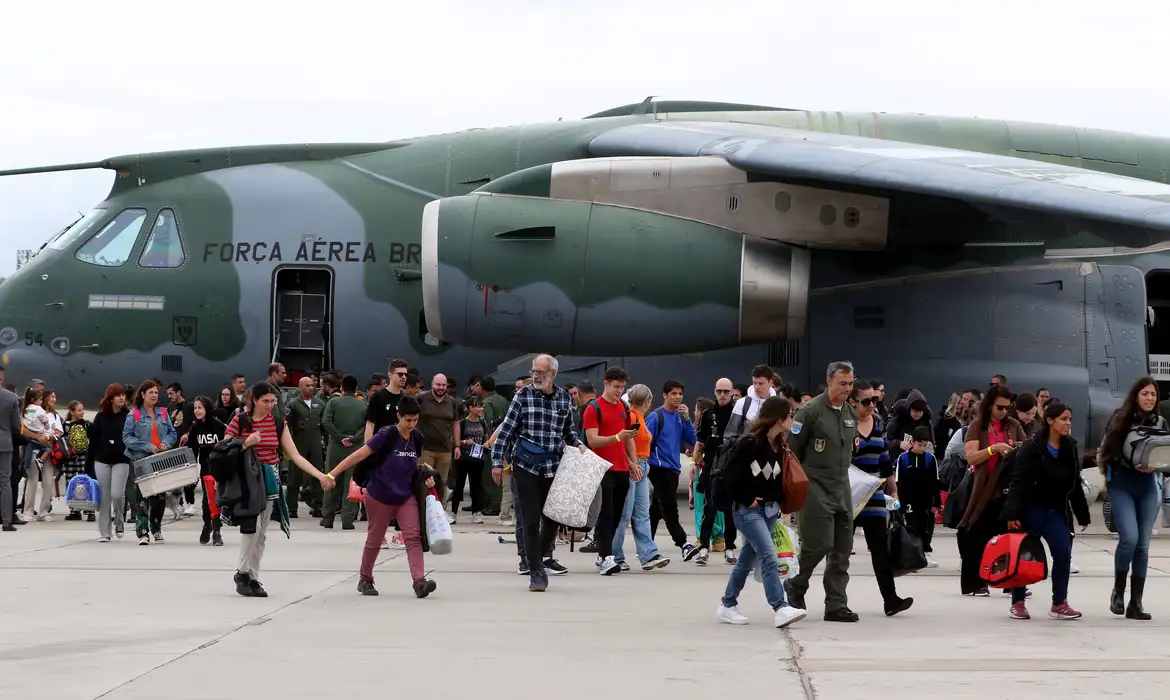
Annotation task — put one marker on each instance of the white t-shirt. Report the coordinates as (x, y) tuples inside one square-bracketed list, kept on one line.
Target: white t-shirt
[(753, 403)]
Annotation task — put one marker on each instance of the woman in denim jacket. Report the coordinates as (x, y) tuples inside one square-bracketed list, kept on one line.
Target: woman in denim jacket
[(148, 430)]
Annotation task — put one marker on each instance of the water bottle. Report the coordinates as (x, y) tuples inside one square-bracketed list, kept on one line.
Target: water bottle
[(892, 503)]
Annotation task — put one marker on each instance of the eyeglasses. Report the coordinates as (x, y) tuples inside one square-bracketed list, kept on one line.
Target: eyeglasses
[(1002, 406), (539, 372), (723, 391), (868, 401)]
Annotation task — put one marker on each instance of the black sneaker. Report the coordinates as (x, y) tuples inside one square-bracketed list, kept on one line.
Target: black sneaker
[(257, 590), (424, 587), (554, 567), (243, 586), (9, 527), (538, 583), (327, 524), (689, 551), (841, 615), (205, 536), (522, 568), (898, 605), (589, 548), (348, 526), (91, 517), (366, 588), (216, 539)]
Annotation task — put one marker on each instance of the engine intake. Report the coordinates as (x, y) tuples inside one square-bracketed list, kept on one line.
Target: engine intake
[(535, 274)]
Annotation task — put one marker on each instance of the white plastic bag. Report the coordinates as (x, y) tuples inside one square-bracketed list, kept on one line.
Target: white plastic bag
[(574, 487), (438, 529), (863, 487)]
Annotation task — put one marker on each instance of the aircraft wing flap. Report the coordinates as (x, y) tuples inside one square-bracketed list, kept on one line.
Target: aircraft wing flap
[(977, 178)]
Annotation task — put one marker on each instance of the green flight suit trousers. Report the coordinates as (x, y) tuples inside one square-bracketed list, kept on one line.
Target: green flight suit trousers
[(825, 525)]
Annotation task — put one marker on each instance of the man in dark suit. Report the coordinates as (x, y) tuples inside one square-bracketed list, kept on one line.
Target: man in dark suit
[(9, 427), (304, 424)]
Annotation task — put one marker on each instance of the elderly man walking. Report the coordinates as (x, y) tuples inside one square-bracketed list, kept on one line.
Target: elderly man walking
[(538, 425)]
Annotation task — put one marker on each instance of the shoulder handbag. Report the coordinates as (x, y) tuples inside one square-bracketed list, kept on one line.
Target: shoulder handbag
[(794, 482)]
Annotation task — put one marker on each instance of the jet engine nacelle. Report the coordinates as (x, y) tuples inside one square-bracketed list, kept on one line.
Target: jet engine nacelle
[(536, 274)]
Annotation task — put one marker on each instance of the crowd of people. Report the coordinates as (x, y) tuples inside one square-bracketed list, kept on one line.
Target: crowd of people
[(377, 455)]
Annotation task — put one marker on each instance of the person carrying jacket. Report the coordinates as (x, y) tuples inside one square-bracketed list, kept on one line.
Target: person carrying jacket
[(148, 431), (1044, 496)]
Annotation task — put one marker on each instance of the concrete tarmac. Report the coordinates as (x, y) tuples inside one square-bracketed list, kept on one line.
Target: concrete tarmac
[(85, 620)]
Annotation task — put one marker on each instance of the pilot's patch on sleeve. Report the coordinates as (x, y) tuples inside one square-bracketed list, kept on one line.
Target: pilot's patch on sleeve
[(797, 426)]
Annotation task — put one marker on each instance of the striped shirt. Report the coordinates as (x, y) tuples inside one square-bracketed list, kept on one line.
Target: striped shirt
[(870, 455), (268, 449)]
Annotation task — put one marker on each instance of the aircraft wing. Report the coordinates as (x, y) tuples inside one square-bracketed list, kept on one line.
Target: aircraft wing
[(980, 179)]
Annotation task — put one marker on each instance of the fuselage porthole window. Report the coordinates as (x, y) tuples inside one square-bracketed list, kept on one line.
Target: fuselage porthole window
[(112, 245), (164, 247)]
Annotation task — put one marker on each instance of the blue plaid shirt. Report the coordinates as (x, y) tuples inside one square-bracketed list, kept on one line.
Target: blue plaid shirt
[(544, 419)]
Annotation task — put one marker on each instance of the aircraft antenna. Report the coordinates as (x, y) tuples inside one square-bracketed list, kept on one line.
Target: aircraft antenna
[(93, 165), (645, 106)]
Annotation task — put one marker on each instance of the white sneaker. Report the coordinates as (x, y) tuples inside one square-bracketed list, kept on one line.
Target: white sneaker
[(190, 509), (931, 563), (1073, 568), (507, 522), (609, 567), (45, 518), (731, 616), (103, 539), (450, 517), (786, 615), (144, 540), (476, 519), (396, 541)]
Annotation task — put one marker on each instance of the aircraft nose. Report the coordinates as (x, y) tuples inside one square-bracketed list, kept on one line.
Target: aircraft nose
[(23, 364)]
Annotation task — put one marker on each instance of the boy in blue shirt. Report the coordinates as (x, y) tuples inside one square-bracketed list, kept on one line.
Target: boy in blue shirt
[(671, 432)]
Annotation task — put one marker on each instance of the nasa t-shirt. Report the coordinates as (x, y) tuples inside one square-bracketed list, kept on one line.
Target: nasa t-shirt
[(391, 480)]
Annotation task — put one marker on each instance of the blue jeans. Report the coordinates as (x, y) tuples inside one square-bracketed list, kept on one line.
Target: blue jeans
[(1135, 500), (755, 524), (637, 508), (1054, 529)]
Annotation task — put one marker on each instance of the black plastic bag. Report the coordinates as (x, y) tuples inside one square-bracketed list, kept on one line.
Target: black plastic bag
[(906, 553)]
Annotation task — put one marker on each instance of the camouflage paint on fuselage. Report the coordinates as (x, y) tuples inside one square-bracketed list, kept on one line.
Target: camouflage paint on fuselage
[(231, 218)]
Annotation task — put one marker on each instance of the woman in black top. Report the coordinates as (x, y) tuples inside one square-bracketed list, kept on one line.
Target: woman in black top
[(753, 477), (226, 405), (107, 455), (205, 433), (1044, 497), (473, 431)]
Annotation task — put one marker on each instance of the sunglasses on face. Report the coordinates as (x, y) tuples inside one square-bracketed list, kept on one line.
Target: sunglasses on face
[(723, 391), (868, 401), (1002, 407)]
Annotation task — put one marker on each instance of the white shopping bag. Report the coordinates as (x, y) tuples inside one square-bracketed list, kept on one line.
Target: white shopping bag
[(863, 487), (438, 529), (574, 487)]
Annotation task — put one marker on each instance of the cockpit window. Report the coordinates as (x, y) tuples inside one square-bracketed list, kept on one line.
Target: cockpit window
[(112, 245), (164, 248), (75, 230)]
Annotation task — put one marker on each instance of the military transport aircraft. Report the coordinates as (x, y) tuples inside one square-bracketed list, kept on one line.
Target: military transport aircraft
[(933, 251)]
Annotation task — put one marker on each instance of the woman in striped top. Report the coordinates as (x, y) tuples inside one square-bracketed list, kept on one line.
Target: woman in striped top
[(264, 432), (870, 455)]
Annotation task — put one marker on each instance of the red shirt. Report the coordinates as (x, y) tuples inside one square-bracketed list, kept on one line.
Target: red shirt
[(268, 449), (614, 418)]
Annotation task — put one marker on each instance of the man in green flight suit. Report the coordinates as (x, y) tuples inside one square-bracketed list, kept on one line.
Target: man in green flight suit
[(344, 421), (822, 436), (304, 423)]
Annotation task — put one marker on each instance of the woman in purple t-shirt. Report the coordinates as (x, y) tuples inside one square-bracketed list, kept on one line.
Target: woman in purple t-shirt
[(391, 494)]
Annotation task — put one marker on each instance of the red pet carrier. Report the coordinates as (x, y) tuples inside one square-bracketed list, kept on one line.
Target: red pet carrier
[(1014, 560)]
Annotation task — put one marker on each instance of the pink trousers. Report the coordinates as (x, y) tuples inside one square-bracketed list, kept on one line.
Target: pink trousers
[(379, 516)]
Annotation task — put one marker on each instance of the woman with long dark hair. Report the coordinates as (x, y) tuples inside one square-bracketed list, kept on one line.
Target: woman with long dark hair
[(107, 453), (1133, 495), (992, 434), (1044, 497), (226, 405), (205, 433), (753, 477)]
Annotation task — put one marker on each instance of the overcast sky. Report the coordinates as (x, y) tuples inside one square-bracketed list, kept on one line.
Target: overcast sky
[(83, 81)]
